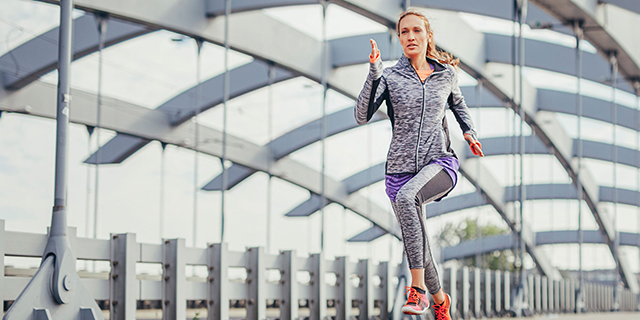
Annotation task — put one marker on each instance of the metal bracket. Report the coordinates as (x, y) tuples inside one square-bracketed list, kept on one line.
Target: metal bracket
[(37, 300), (42, 314)]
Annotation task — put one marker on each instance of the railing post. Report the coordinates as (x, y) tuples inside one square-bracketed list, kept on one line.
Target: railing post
[(607, 290), (531, 292), (544, 297), (608, 298), (563, 299), (498, 292), (556, 296), (174, 304), (551, 297), (572, 292), (591, 297), (256, 284), (487, 293), (595, 295), (218, 282), (567, 295), (453, 290), (538, 294), (343, 302), (289, 281), (600, 297), (465, 292), (365, 301), (586, 296), (318, 303), (2, 251), (507, 290), (610, 292), (124, 285), (2, 242), (477, 293), (384, 269)]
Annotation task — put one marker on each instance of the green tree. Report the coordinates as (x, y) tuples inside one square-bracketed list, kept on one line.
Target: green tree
[(453, 234)]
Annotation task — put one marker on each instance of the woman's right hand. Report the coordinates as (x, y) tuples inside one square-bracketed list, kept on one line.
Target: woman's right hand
[(375, 53), (474, 144)]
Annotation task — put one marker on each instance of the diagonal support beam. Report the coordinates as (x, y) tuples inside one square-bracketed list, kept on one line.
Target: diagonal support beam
[(39, 56), (118, 149), (236, 173), (590, 149), (308, 207), (609, 29), (179, 109), (297, 139)]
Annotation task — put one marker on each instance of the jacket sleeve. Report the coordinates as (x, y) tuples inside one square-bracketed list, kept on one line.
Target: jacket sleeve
[(372, 95), (459, 107)]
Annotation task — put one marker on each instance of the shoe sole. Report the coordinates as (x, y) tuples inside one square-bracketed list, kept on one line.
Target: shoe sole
[(412, 311)]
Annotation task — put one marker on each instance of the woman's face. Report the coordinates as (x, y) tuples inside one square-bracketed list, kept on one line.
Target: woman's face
[(413, 36)]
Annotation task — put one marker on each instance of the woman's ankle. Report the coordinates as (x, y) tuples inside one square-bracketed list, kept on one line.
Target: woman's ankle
[(423, 287), (438, 298)]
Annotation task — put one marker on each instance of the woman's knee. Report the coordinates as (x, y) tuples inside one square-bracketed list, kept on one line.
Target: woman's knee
[(405, 199)]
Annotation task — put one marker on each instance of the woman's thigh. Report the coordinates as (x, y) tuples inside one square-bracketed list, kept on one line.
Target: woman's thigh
[(435, 188), (431, 183)]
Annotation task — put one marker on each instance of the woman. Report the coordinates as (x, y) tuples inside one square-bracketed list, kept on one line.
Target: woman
[(421, 166)]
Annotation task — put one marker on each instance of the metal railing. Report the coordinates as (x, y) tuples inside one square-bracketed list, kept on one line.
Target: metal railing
[(361, 289)]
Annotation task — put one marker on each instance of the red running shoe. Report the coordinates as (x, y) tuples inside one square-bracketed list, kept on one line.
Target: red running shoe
[(442, 310), (417, 303)]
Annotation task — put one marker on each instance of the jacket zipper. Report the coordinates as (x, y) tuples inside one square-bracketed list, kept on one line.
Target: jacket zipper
[(424, 87)]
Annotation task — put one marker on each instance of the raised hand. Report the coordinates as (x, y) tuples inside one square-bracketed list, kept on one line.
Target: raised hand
[(474, 144), (375, 53)]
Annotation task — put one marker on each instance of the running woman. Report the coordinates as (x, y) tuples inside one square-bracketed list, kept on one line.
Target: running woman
[(421, 166)]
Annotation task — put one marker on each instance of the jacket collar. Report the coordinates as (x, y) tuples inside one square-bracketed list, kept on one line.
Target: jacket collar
[(405, 64)]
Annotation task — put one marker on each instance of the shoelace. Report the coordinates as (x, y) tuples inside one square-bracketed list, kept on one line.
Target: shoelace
[(441, 313), (413, 295)]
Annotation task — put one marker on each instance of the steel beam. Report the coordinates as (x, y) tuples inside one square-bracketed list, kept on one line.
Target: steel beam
[(592, 108), (216, 7), (606, 27), (38, 56), (551, 57), (625, 4), (179, 109), (502, 242), (591, 149)]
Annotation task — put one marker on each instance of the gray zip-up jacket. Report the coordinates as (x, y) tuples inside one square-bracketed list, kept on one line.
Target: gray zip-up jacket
[(416, 110)]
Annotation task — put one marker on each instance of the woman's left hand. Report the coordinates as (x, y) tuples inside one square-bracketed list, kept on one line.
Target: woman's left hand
[(474, 144)]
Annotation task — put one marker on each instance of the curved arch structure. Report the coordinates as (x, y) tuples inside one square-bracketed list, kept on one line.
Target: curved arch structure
[(607, 27), (590, 149), (39, 55), (504, 242)]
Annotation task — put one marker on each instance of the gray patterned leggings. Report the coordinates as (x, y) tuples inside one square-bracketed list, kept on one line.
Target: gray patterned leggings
[(431, 183)]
